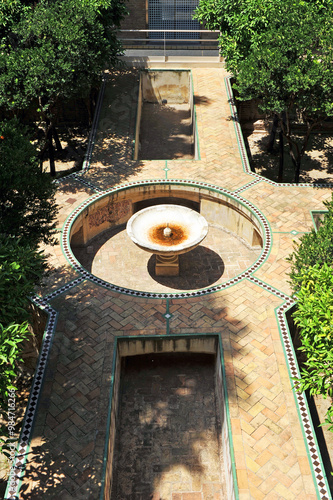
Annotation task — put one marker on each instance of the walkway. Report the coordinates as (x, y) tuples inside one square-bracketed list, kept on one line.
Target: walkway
[(275, 455)]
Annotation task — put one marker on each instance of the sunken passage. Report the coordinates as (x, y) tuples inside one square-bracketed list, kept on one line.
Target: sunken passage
[(168, 432), (165, 125)]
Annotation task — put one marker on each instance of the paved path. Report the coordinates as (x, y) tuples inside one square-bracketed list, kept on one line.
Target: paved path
[(273, 459)]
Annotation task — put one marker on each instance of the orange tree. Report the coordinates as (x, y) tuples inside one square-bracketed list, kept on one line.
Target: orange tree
[(55, 50), (280, 52), (312, 281)]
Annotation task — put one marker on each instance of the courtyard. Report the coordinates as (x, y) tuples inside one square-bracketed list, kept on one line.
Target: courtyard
[(109, 292)]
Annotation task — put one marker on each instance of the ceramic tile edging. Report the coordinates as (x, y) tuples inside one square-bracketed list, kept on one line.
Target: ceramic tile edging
[(24, 441), (243, 154), (65, 244), (247, 186), (36, 387), (269, 288), (309, 436), (92, 135), (226, 398)]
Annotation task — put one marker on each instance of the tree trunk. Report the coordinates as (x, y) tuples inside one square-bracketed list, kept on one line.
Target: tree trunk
[(271, 141), (297, 169), (281, 157), (56, 139), (50, 148)]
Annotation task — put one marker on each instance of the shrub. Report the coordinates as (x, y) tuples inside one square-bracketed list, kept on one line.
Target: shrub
[(316, 247), (314, 318)]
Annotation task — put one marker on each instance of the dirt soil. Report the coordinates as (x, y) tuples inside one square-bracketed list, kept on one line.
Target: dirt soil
[(317, 163)]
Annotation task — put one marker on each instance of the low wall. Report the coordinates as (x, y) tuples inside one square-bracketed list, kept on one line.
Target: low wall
[(115, 208), (208, 344), (171, 86)]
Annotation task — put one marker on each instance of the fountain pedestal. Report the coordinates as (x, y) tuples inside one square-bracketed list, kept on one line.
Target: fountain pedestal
[(167, 231), (167, 265)]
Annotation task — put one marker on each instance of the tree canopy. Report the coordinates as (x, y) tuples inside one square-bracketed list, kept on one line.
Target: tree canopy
[(53, 50), (312, 281), (281, 52), (27, 204)]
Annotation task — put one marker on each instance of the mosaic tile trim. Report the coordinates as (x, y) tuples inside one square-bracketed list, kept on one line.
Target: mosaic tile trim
[(63, 289), (269, 288), (92, 136), (300, 398), (301, 401), (90, 185), (87, 275), (27, 427), (242, 149), (247, 186), (24, 440)]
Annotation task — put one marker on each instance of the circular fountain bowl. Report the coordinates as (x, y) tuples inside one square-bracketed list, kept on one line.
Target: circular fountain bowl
[(146, 229)]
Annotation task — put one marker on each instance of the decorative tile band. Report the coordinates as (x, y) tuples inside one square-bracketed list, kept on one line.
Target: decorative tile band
[(87, 275), (92, 136), (90, 185), (269, 288), (300, 398), (17, 470), (63, 289), (302, 405), (247, 186), (242, 148)]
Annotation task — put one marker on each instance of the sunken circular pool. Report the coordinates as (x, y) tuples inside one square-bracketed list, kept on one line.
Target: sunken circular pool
[(97, 244)]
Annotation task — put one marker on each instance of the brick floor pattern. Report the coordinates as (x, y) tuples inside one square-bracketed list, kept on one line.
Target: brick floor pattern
[(65, 459), (169, 429)]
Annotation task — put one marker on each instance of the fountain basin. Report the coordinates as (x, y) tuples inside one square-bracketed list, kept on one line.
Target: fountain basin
[(188, 228), (167, 231)]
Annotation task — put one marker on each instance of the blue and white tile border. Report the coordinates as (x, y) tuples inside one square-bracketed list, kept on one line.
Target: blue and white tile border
[(243, 154), (17, 470), (202, 185), (319, 476), (13, 487)]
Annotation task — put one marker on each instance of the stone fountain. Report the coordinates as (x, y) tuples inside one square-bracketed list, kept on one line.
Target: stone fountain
[(167, 231)]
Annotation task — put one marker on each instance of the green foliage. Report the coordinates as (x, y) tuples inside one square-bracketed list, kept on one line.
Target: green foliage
[(312, 281), (314, 318), (21, 269), (27, 204), (280, 51), (27, 213), (315, 247), (56, 49), (11, 337), (289, 63)]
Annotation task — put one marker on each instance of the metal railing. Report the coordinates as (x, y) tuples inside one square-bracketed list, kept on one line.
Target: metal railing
[(164, 42)]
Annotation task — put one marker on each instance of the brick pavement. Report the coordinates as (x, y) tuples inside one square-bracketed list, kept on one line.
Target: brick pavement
[(65, 459)]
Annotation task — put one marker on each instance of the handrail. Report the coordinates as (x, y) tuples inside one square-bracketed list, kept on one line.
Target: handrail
[(174, 31), (169, 40)]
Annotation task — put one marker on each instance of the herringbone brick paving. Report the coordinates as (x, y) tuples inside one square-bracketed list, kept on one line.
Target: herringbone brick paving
[(66, 454)]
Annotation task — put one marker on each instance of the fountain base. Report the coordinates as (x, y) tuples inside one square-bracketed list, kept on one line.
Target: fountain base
[(167, 265)]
